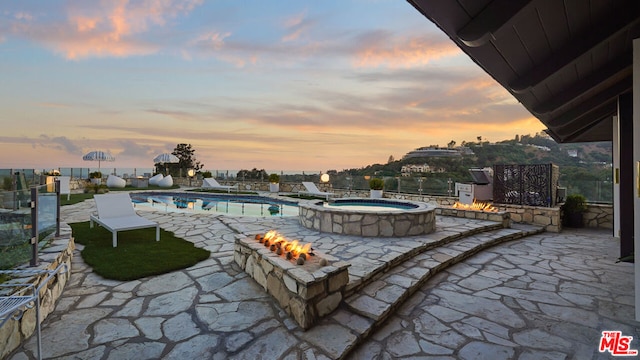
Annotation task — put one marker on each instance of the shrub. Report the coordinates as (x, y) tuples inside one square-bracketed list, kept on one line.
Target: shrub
[(206, 174), (376, 184), (574, 204), (274, 178), (7, 183), (95, 175)]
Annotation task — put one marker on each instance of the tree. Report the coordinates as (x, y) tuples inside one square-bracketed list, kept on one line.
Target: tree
[(186, 154), (451, 144), (253, 174), (391, 159)]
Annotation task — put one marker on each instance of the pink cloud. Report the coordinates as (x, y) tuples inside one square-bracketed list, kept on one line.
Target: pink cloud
[(214, 42), (380, 50), (295, 26), (106, 28)]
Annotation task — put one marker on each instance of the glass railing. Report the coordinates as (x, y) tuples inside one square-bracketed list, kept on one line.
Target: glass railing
[(20, 179), (594, 191), (17, 226)]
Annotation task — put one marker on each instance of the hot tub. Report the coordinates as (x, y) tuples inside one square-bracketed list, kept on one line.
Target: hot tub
[(368, 217)]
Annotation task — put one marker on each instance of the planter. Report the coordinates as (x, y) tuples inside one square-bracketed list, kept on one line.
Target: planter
[(274, 188), (575, 220), (376, 194), (96, 181)]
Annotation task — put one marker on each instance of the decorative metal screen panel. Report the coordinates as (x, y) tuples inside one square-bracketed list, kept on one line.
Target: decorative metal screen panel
[(533, 185)]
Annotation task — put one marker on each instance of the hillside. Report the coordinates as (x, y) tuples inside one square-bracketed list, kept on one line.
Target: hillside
[(587, 172)]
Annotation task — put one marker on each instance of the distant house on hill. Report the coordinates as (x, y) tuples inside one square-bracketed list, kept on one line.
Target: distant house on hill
[(409, 169), (406, 170), (573, 153), (435, 151)]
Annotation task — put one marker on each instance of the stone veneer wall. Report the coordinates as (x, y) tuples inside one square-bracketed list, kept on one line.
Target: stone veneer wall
[(501, 217), (599, 216), (306, 292), (410, 222), (549, 218), (15, 332)]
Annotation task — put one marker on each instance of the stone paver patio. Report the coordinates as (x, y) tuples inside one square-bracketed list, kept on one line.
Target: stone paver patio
[(544, 296)]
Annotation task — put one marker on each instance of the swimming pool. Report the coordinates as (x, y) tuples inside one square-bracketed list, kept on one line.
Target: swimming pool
[(240, 205)]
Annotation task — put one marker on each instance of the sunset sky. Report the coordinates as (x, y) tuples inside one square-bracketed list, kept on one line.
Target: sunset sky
[(279, 85)]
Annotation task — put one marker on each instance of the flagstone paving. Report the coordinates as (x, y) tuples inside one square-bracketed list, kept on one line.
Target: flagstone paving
[(546, 296)]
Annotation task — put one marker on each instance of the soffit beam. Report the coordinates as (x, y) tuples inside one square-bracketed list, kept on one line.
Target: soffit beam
[(492, 18), (579, 46)]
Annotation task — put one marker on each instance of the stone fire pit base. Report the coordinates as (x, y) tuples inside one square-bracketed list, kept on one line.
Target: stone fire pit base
[(501, 216), (306, 292)]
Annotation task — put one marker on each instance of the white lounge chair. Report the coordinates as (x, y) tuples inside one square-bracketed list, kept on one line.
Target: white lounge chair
[(116, 213), (211, 183), (65, 188), (312, 189)]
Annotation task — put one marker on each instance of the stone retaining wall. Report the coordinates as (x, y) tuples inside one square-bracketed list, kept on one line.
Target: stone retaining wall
[(549, 218), (599, 216), (306, 292), (15, 332)]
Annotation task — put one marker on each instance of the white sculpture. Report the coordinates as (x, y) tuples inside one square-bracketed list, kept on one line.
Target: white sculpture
[(155, 180), (166, 182), (116, 182)]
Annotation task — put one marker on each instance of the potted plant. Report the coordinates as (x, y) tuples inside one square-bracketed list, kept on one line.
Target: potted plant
[(376, 185), (95, 177), (573, 209), (274, 183)]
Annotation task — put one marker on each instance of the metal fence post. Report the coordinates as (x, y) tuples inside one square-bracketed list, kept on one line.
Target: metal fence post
[(57, 207), (34, 226)]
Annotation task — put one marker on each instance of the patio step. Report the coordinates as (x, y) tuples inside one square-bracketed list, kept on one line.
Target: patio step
[(375, 301), (439, 238)]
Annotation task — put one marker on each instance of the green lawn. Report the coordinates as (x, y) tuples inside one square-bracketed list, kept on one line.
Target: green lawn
[(138, 255)]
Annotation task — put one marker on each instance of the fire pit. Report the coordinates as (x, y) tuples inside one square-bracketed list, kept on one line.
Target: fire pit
[(476, 206), (308, 285), (289, 249), (476, 210)]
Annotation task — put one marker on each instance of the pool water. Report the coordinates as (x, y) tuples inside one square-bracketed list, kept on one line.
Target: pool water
[(207, 203)]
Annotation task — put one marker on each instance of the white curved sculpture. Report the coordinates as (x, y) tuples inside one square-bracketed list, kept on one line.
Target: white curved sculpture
[(166, 182), (116, 182), (155, 180)]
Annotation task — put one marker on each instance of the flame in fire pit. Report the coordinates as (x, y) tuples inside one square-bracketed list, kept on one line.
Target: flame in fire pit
[(291, 249), (476, 206)]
